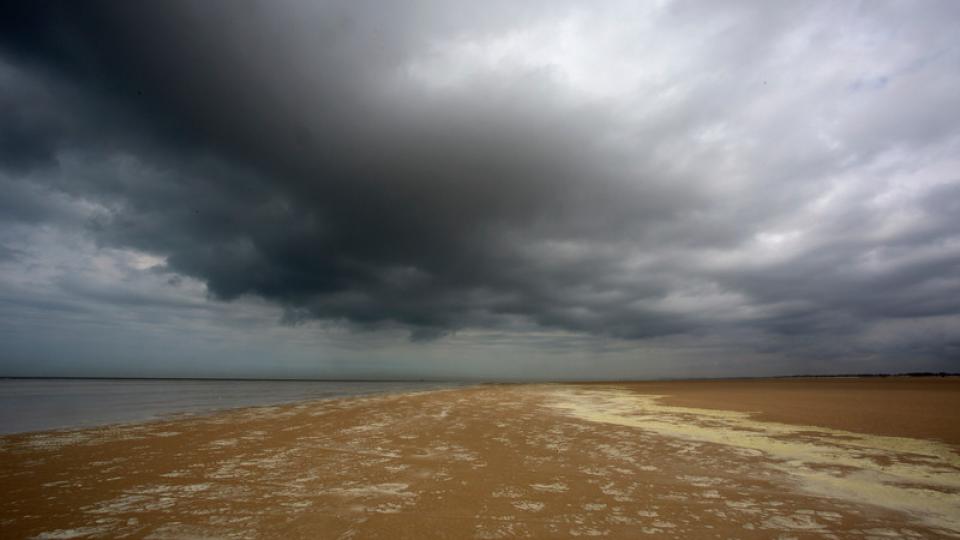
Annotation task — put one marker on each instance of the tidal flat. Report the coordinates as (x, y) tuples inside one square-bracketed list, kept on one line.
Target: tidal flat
[(810, 458)]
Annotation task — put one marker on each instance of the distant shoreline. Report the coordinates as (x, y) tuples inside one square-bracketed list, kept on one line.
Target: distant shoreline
[(238, 379), (492, 381)]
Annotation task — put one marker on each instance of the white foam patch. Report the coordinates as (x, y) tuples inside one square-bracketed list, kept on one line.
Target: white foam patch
[(80, 532), (132, 503), (223, 443), (169, 489), (56, 441), (58, 483), (528, 506), (389, 489), (796, 522), (557, 487), (508, 492), (588, 531)]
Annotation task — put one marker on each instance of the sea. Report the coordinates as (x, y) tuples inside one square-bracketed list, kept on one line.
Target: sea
[(45, 404)]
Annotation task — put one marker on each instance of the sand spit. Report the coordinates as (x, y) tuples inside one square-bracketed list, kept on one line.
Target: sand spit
[(516, 461)]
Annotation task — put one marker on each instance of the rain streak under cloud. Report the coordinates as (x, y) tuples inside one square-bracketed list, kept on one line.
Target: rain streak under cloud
[(492, 189)]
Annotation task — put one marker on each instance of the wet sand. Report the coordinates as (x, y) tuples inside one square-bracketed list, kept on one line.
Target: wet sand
[(508, 461)]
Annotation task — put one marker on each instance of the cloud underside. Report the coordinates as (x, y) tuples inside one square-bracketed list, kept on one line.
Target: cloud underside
[(787, 175)]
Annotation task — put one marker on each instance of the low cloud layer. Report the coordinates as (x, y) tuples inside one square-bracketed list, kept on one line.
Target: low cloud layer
[(783, 179)]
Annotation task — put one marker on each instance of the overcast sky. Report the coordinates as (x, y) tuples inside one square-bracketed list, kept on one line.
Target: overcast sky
[(479, 189)]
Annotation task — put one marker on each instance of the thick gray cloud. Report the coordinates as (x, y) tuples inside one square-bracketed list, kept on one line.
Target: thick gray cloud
[(781, 179)]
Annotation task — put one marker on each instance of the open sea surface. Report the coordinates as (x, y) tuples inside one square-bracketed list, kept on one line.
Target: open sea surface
[(43, 404)]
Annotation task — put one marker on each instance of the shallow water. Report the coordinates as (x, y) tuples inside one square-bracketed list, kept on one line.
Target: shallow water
[(43, 404)]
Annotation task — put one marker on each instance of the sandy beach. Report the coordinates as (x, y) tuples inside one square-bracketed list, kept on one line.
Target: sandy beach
[(820, 458)]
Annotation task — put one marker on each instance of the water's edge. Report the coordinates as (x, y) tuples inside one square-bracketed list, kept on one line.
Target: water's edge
[(35, 405)]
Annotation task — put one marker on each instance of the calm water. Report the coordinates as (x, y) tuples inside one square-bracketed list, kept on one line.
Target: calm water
[(34, 405)]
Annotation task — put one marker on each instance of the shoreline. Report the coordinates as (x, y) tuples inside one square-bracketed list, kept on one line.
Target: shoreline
[(36, 407), (482, 461), (193, 415)]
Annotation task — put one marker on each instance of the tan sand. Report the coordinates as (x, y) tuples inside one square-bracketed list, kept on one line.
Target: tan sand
[(921, 407), (491, 462)]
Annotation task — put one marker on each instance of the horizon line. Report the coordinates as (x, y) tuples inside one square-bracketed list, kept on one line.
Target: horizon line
[(485, 380)]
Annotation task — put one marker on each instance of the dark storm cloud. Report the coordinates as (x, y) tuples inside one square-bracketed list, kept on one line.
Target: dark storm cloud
[(336, 202), (339, 160)]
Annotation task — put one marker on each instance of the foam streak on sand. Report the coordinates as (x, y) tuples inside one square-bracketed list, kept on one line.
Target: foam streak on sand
[(922, 477), (515, 461)]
